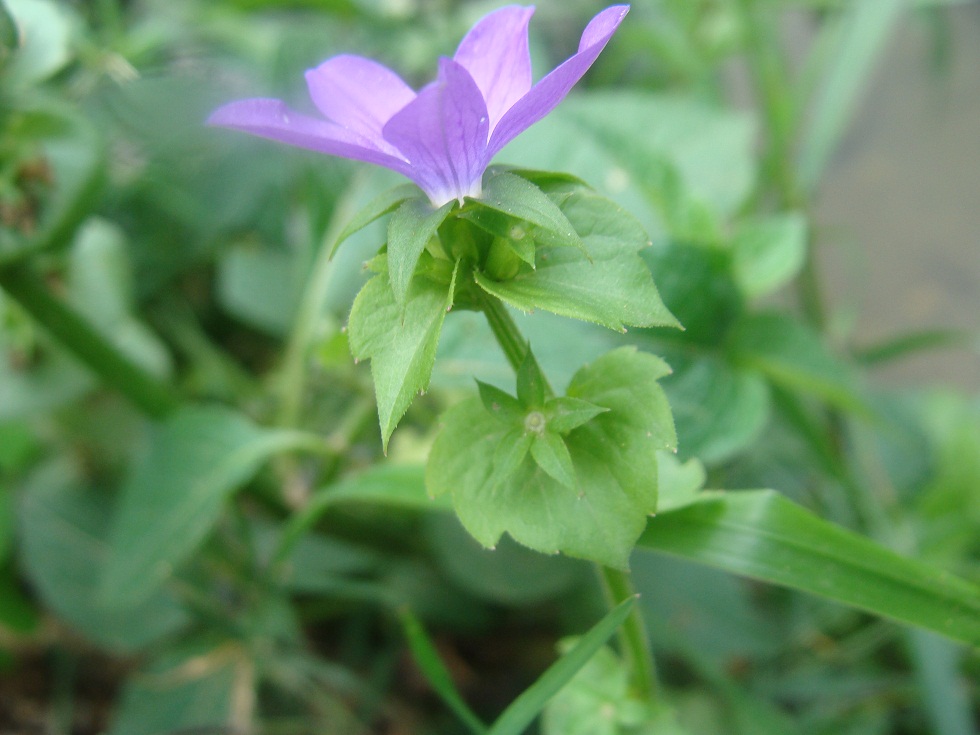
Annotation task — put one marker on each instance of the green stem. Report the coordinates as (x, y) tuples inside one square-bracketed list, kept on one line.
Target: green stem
[(617, 585), (310, 313), (773, 88), (506, 331), (86, 343), (768, 70), (634, 642)]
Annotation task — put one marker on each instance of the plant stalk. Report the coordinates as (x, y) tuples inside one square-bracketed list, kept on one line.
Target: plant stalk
[(505, 330), (85, 342), (292, 378), (634, 643), (633, 639)]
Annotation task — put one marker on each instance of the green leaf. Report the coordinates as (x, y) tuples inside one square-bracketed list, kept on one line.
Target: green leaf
[(515, 719), (769, 253), (551, 454), (400, 341), (18, 447), (697, 285), (509, 574), (599, 701), (53, 383), (610, 286), (911, 342), (614, 458), (46, 30), (374, 210), (719, 409), (564, 414), (760, 534), (792, 356), (17, 613), (176, 492), (515, 196), (678, 483), (509, 454), (710, 148), (100, 288), (938, 666), (500, 404), (188, 690), (64, 552), (75, 152), (410, 228), (396, 486), (8, 33), (6, 522), (694, 162), (427, 657), (859, 36), (261, 286)]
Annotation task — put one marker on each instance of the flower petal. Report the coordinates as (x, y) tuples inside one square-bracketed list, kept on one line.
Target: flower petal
[(443, 133), (358, 94), (495, 53), (271, 118), (547, 93)]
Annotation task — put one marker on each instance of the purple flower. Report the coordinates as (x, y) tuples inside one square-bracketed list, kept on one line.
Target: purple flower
[(444, 137)]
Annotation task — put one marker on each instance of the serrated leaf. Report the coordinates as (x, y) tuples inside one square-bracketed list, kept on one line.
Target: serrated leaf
[(551, 455), (564, 414), (614, 458), (410, 228), (175, 494), (678, 484), (515, 196), (399, 339), (374, 210), (769, 253), (610, 286), (500, 404)]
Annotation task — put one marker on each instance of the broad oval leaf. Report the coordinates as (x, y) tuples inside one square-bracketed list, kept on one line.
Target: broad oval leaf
[(64, 551), (175, 494)]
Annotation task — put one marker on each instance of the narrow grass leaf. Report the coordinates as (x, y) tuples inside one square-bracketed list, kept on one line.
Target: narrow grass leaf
[(762, 535), (427, 657), (515, 719)]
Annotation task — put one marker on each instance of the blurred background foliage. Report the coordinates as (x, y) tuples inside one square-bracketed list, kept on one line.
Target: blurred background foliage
[(156, 578)]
